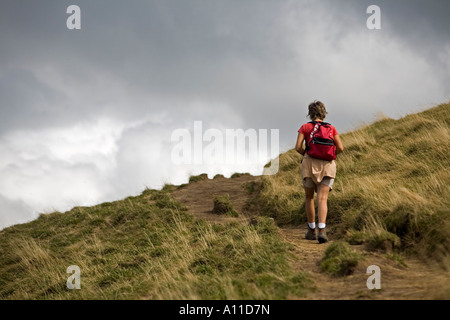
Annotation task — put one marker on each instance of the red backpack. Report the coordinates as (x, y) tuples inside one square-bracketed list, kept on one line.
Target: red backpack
[(321, 142)]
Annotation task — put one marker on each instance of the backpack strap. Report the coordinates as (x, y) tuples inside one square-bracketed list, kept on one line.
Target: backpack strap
[(321, 122), (314, 123), (306, 143)]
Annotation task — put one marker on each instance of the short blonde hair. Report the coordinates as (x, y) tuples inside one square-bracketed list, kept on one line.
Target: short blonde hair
[(316, 110)]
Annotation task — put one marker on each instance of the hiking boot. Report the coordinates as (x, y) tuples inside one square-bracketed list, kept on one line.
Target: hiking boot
[(310, 234), (322, 236)]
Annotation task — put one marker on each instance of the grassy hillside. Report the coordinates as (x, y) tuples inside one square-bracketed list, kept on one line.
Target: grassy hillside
[(391, 190), (145, 247), (391, 194)]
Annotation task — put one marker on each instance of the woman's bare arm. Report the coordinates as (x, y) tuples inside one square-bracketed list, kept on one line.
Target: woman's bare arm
[(338, 143), (299, 144)]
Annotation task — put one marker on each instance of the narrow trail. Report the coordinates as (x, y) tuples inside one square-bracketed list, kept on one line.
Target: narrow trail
[(413, 281)]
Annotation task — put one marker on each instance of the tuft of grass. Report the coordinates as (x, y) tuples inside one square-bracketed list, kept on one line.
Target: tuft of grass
[(197, 178), (237, 175), (168, 187), (356, 237), (222, 205), (339, 259), (164, 200), (383, 240), (397, 258), (376, 237)]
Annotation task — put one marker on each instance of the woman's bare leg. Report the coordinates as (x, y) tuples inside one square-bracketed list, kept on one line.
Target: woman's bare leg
[(322, 199), (309, 204)]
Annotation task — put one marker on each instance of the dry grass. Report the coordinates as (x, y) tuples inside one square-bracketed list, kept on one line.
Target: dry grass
[(392, 183), (145, 247)]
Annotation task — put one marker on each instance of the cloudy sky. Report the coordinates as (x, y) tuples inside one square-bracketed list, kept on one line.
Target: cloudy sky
[(87, 115)]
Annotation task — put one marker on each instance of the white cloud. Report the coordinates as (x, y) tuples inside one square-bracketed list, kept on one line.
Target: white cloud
[(54, 169)]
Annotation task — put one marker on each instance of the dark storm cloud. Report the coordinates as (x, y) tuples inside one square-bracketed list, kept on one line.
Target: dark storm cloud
[(423, 25), (182, 50), (176, 50), (26, 101)]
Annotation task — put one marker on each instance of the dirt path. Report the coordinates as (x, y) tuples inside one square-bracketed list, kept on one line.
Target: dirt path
[(415, 281), (198, 197)]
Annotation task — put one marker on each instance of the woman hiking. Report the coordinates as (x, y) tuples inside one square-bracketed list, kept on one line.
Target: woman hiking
[(318, 168)]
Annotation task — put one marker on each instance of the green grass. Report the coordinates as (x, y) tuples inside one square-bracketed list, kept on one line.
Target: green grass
[(391, 189), (146, 247), (339, 259), (199, 177), (222, 205), (237, 175)]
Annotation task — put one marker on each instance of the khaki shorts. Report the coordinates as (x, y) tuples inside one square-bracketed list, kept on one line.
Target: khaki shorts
[(309, 183)]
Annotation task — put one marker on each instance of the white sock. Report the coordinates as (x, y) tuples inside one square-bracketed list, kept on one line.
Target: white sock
[(312, 225), (322, 225)]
